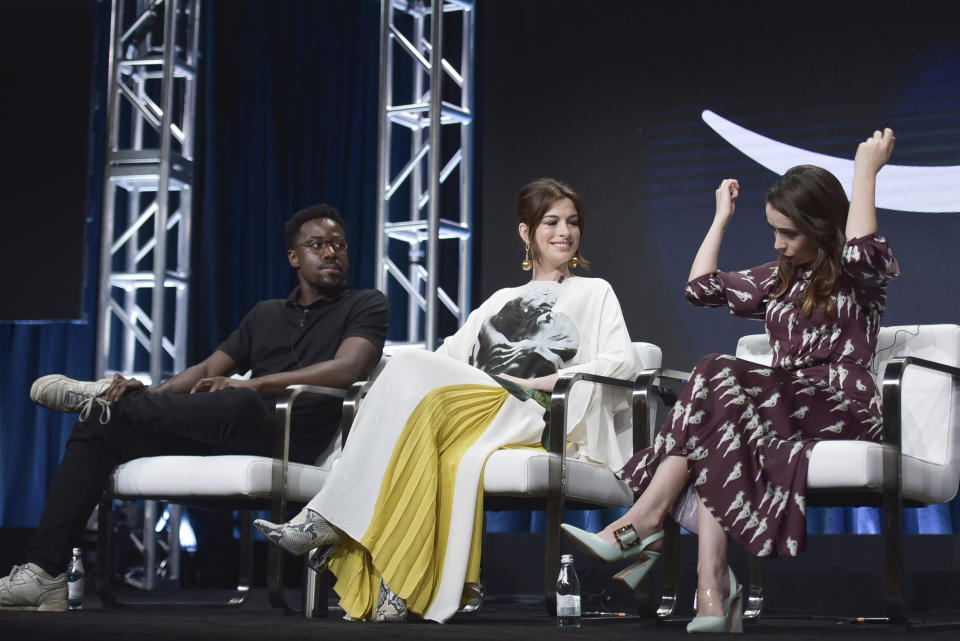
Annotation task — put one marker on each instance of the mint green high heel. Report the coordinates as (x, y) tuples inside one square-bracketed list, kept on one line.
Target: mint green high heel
[(631, 576), (732, 619), (630, 544), (630, 547)]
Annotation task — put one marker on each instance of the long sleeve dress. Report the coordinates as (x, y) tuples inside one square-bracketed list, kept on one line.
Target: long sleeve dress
[(747, 430), (407, 487)]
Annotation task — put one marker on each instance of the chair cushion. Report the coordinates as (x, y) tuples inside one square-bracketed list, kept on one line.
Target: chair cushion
[(523, 473), (226, 476), (849, 465)]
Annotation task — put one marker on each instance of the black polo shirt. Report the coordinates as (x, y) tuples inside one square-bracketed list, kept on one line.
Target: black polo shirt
[(280, 336)]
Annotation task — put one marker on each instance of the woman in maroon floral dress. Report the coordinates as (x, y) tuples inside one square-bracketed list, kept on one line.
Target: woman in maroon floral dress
[(738, 440)]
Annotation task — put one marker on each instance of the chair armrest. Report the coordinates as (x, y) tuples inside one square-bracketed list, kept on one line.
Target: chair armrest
[(281, 443), (284, 409), (558, 405), (649, 384), (892, 385), (664, 384), (351, 404), (891, 388)]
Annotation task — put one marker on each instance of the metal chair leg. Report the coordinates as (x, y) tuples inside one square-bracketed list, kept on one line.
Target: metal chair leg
[(245, 571), (755, 594), (315, 588), (671, 569), (105, 555)]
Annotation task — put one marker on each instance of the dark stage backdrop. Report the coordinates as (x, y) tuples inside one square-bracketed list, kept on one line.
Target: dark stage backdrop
[(46, 115), (609, 96)]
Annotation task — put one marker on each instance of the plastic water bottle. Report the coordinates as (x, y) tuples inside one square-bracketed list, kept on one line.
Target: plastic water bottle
[(568, 594), (75, 581)]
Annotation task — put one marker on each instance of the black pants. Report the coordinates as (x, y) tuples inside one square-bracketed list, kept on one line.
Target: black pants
[(232, 421)]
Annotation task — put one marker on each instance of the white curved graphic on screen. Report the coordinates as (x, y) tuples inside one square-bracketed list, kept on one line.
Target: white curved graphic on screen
[(899, 187)]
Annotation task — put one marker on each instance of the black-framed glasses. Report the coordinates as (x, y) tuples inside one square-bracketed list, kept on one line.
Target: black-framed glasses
[(320, 245)]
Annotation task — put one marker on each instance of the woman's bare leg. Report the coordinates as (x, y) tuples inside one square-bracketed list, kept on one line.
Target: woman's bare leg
[(647, 514), (711, 560)]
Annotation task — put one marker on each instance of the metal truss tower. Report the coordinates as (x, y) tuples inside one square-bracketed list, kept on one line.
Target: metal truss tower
[(148, 185), (148, 181), (425, 178)]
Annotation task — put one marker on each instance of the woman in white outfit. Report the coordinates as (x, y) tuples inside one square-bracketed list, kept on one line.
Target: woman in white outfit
[(401, 512)]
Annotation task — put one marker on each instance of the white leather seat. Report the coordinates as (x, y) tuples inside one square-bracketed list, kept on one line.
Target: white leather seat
[(211, 477), (522, 473), (233, 481)]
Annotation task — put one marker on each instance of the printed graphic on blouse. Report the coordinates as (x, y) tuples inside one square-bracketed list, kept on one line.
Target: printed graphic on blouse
[(527, 338)]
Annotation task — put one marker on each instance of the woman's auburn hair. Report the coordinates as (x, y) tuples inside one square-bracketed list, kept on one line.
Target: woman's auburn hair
[(814, 200), (534, 200)]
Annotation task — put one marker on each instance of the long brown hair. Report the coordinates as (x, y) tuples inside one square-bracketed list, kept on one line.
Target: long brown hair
[(814, 200), (536, 198)]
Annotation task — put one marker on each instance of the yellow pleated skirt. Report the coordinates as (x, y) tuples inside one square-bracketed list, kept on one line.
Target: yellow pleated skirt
[(407, 538)]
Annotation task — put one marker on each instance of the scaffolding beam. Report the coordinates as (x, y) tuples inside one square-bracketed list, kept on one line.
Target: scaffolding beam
[(146, 217), (425, 161), (148, 186)]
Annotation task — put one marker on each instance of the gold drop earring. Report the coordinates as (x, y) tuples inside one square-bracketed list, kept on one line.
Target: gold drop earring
[(574, 263), (526, 265)]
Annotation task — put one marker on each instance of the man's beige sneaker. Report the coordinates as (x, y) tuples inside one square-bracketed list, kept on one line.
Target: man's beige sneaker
[(28, 587), (61, 394)]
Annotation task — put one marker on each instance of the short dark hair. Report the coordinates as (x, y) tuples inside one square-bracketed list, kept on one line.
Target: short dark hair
[(292, 227)]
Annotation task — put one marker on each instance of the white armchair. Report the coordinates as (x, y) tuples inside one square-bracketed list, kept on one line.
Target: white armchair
[(242, 482), (917, 370)]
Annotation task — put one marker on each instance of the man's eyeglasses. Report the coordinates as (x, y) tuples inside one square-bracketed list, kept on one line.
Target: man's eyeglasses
[(320, 245)]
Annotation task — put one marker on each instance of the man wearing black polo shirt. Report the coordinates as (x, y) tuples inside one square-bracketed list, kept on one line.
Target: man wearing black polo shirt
[(323, 334)]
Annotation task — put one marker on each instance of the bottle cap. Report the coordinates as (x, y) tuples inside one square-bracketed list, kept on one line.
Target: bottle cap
[(76, 550), (566, 558)]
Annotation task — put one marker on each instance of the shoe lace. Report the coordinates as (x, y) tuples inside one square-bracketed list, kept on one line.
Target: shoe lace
[(14, 571), (87, 407)]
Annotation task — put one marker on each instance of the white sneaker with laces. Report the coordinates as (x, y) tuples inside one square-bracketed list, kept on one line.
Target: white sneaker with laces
[(61, 394), (28, 587)]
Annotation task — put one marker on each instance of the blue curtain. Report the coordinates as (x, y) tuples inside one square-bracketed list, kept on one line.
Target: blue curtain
[(289, 119)]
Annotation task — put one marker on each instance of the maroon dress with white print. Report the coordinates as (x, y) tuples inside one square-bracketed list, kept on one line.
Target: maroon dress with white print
[(747, 430)]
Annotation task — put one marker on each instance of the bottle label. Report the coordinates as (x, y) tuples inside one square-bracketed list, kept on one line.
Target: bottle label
[(568, 605), (75, 590)]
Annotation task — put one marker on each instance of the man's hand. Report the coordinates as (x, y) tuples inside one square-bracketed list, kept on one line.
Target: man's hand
[(120, 386), (217, 383)]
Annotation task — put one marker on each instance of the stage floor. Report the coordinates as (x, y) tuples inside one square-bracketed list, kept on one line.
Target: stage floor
[(511, 618), (500, 618), (838, 579)]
